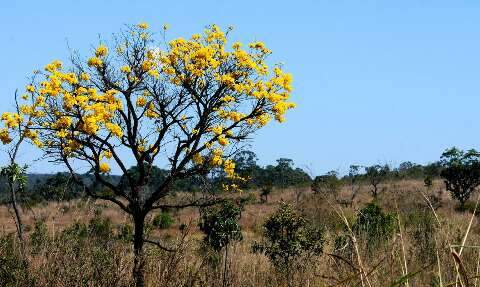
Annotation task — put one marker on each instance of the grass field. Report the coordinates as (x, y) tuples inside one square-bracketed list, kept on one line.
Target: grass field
[(421, 252)]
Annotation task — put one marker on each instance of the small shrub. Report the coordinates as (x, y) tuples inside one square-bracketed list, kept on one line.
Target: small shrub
[(75, 231), (39, 236), (422, 227), (125, 232), (289, 239), (13, 270), (163, 220), (374, 225), (220, 225), (100, 227)]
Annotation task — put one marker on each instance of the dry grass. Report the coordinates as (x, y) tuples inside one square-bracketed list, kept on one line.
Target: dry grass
[(435, 246)]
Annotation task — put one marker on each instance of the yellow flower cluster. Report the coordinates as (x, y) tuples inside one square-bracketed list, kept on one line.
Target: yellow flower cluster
[(142, 25), (229, 168), (95, 62), (5, 136), (202, 56), (11, 120), (101, 51), (104, 167)]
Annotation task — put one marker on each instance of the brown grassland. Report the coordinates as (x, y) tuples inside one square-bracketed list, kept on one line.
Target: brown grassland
[(423, 251)]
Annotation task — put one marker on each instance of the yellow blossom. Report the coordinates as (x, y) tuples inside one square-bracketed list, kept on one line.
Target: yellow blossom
[(222, 140), (4, 136), (84, 77), (114, 129), (141, 101), (101, 51), (125, 69), (107, 154), (197, 158), (142, 25), (104, 167), (95, 62), (30, 89), (229, 168)]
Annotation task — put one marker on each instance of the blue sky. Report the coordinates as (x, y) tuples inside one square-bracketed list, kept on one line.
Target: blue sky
[(375, 81)]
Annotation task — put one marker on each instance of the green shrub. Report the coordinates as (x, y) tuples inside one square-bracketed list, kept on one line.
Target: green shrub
[(163, 220), (39, 237), (422, 226), (100, 227), (220, 225), (289, 239), (13, 270), (125, 232), (374, 225)]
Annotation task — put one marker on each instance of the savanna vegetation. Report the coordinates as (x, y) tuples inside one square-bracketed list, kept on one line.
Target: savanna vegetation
[(188, 204)]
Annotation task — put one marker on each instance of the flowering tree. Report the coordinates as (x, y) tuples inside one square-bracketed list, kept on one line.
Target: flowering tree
[(187, 102), (14, 176)]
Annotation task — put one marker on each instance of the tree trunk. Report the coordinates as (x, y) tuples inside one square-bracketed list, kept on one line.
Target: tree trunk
[(18, 217), (139, 260), (375, 191)]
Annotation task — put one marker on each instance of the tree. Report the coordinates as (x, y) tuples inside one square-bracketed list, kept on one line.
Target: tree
[(132, 101), (265, 191), (15, 174), (246, 167), (282, 175), (375, 175), (327, 184), (58, 187), (289, 237), (461, 172), (220, 226)]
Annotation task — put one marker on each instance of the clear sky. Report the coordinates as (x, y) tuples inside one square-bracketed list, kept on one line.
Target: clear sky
[(375, 81)]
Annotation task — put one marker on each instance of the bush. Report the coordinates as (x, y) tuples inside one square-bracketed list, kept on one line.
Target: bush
[(373, 224), (289, 239), (39, 236), (13, 270), (220, 225), (163, 220), (125, 232), (100, 227)]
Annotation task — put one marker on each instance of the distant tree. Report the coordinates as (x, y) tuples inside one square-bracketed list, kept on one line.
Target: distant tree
[(409, 170), (428, 182), (461, 173), (282, 175), (246, 167), (289, 239), (220, 226), (265, 192), (353, 180), (60, 186), (328, 184), (375, 175), (433, 170)]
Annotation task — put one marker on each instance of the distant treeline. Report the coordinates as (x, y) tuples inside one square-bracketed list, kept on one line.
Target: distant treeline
[(283, 174)]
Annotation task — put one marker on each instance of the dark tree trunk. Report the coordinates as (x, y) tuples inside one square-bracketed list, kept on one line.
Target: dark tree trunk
[(139, 260), (16, 209), (375, 191)]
